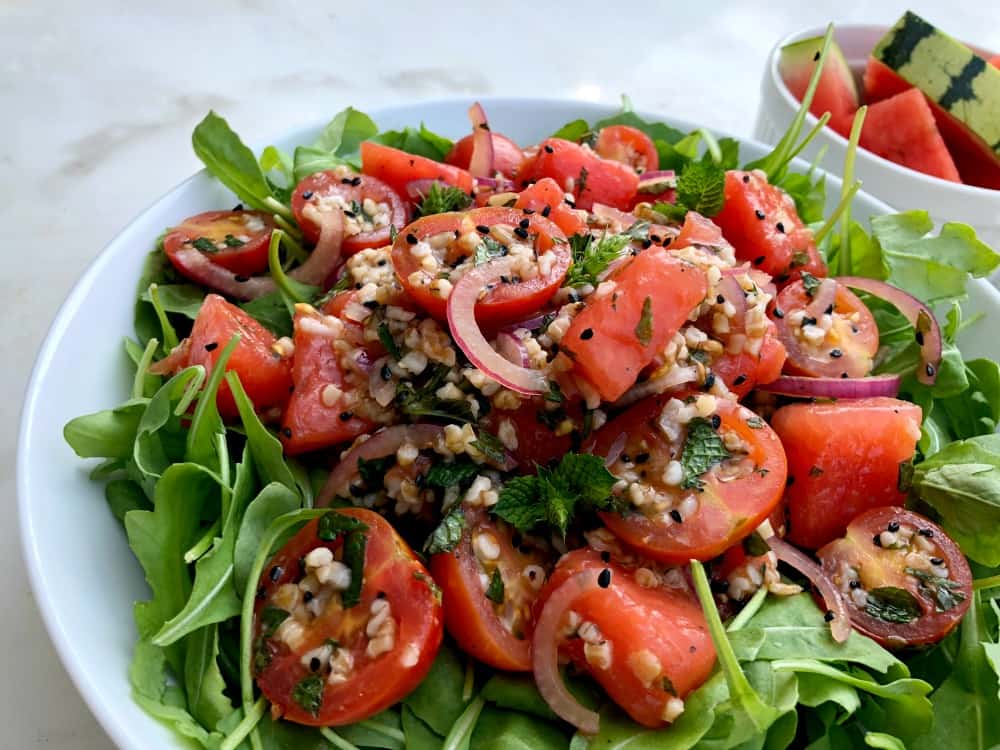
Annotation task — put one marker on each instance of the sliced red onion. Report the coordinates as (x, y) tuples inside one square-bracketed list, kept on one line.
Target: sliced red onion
[(481, 162), (545, 653), (467, 334), (823, 298), (325, 257), (512, 349), (615, 451), (840, 625), (383, 443), (176, 360), (796, 385), (674, 377), (529, 324), (617, 220), (658, 181), (915, 311), (731, 290), (498, 184), (762, 279), (416, 190)]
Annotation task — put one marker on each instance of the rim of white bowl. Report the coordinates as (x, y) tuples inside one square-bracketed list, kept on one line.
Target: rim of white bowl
[(793, 104)]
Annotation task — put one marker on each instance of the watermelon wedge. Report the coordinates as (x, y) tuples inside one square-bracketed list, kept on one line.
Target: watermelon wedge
[(882, 82), (902, 129), (836, 91), (995, 61)]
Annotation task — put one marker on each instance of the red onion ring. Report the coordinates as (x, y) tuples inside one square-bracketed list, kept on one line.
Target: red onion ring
[(467, 334), (795, 385), (545, 653), (657, 182), (824, 298), (512, 349), (325, 257), (915, 311), (383, 443), (481, 162), (840, 626), (616, 449)]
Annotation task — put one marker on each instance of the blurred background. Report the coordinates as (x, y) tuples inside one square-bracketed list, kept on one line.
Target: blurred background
[(98, 99)]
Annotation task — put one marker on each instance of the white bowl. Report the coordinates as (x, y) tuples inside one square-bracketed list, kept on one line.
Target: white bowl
[(898, 186), (83, 574)]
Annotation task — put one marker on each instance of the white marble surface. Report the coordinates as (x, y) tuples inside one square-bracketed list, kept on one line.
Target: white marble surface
[(98, 98)]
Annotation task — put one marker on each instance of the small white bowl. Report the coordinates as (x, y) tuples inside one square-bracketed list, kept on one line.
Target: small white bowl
[(900, 187)]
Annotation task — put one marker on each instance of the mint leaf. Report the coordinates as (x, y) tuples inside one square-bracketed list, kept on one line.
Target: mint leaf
[(703, 449), (443, 475), (308, 693), (521, 503), (448, 533), (441, 198), (702, 188), (592, 257)]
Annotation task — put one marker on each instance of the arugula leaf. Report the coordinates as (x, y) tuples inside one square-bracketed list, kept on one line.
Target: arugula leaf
[(106, 434), (272, 501), (592, 257), (124, 495), (553, 497), (183, 299), (448, 533), (442, 198), (268, 455), (203, 682), (338, 144), (703, 449), (421, 142), (507, 730), (271, 312), (437, 701)]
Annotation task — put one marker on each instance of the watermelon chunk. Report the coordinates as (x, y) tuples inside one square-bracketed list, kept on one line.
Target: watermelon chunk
[(995, 61), (882, 82), (836, 91), (902, 129)]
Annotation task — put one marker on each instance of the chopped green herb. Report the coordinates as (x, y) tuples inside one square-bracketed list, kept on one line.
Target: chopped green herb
[(385, 336), (489, 249), (205, 245), (755, 546), (308, 693), (422, 401), (495, 591), (234, 241), (892, 604), (904, 480), (333, 524), (434, 588), (703, 449), (554, 394), (815, 471), (592, 257), (942, 591), (448, 533), (441, 198), (393, 233), (638, 231), (373, 470), (811, 283), (581, 182), (354, 558), (490, 446), (755, 423), (644, 328), (447, 474)]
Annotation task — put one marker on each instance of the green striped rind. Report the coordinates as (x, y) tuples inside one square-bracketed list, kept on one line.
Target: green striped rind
[(951, 74)]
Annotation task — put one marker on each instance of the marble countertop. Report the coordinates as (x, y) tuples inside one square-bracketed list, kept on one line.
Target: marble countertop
[(98, 99)]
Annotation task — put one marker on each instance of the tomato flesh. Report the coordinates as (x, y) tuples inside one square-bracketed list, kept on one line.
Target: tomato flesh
[(580, 171), (236, 240), (912, 554), (845, 349), (344, 191), (318, 628), (504, 303), (765, 229), (843, 458), (734, 497), (618, 333), (546, 198), (628, 145), (507, 155), (744, 371), (495, 633), (397, 168), (264, 373), (660, 647)]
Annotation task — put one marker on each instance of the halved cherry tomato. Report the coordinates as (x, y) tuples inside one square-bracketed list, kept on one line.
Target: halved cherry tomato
[(546, 198), (264, 372), (505, 302), (534, 424), (721, 507), (319, 659), (744, 371), (628, 145), (507, 155), (321, 411), (762, 224), (398, 168), (844, 457), (237, 240), (582, 172), (494, 631), (698, 230), (893, 556), (619, 332), (343, 191), (652, 639), (845, 348)]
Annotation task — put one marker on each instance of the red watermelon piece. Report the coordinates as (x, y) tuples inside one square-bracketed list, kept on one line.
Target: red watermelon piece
[(995, 61), (882, 82), (836, 91), (902, 129)]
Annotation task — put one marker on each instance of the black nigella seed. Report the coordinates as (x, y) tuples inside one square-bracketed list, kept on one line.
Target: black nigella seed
[(719, 299), (709, 381), (739, 380), (790, 481), (844, 375), (877, 540), (646, 244), (287, 433), (625, 458), (211, 346), (780, 227), (371, 304), (855, 584), (346, 181), (716, 421), (385, 372), (676, 516), (759, 214), (828, 616), (779, 313), (546, 211), (656, 238), (345, 416), (380, 595), (587, 333), (836, 353), (275, 573), (816, 57), (238, 207), (308, 596), (522, 233), (920, 338), (808, 321), (307, 195), (482, 229), (746, 179), (261, 593), (315, 664), (411, 239), (242, 279), (604, 579), (524, 223), (549, 149), (936, 561), (930, 370), (641, 458), (893, 526), (828, 310), (350, 214), (527, 211), (759, 260), (605, 556), (356, 181), (926, 533)]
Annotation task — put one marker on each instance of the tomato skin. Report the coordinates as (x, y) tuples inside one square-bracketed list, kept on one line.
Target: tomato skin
[(602, 338), (330, 183), (760, 241), (392, 570), (727, 511), (607, 181), (507, 155), (547, 194), (506, 302), (666, 621), (857, 340), (248, 259), (397, 168), (470, 617), (884, 567), (628, 145), (744, 371), (843, 459), (264, 374)]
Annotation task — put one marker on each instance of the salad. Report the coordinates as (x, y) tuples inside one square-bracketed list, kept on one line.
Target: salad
[(611, 441)]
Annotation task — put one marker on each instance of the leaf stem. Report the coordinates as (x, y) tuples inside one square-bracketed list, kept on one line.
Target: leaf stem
[(711, 145), (139, 384), (470, 681), (202, 546), (844, 256), (386, 729), (746, 614), (840, 210), (169, 334), (463, 725), (277, 207), (820, 124), (252, 716), (982, 584), (336, 740)]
